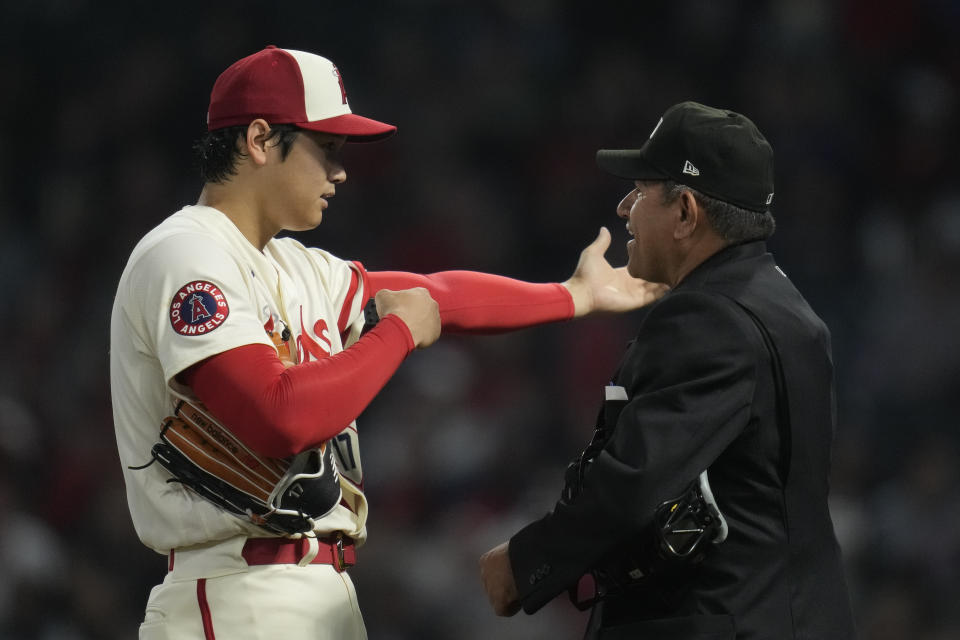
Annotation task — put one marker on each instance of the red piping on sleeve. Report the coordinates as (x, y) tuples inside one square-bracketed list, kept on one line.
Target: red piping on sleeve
[(348, 302), (364, 279)]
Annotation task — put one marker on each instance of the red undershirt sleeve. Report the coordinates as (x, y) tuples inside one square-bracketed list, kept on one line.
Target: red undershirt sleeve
[(473, 302), (279, 411)]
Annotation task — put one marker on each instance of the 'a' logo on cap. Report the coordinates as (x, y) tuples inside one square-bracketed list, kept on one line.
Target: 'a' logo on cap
[(343, 91), (688, 168)]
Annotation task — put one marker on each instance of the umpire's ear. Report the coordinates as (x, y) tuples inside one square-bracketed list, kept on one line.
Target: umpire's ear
[(255, 144), (689, 215)]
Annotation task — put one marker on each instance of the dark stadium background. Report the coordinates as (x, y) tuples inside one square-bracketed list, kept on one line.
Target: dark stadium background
[(500, 106)]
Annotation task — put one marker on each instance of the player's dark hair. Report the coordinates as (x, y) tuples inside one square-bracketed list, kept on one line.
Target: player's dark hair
[(732, 223), (217, 152)]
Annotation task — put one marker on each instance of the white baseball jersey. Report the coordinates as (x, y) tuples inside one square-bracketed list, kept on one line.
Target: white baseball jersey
[(195, 287)]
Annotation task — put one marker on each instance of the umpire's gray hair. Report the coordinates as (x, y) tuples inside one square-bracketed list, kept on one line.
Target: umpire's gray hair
[(732, 223)]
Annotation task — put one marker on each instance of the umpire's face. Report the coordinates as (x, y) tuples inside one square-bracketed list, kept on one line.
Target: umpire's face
[(649, 221)]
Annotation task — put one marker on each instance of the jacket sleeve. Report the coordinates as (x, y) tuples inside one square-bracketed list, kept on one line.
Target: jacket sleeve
[(690, 379)]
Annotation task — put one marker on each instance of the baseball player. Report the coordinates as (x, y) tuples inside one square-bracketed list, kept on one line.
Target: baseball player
[(266, 337)]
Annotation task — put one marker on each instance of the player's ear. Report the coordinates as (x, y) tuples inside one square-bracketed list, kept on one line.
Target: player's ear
[(688, 216), (255, 143)]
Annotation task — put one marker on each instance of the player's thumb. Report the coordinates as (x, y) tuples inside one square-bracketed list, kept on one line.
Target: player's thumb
[(385, 301)]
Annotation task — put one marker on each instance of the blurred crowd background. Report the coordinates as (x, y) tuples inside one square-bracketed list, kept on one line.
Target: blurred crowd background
[(501, 106)]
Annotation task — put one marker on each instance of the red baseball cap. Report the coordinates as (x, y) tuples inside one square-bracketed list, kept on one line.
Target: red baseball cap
[(284, 86)]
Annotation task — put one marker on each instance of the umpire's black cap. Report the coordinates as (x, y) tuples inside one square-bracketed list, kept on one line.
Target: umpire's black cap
[(718, 152)]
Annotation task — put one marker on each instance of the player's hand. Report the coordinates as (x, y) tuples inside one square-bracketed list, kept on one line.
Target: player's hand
[(596, 286), (497, 576), (416, 308)]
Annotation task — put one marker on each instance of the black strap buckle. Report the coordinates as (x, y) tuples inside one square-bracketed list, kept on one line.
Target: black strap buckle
[(684, 523)]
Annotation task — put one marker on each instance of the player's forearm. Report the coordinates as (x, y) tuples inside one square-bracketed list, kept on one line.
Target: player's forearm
[(279, 411), (473, 302)]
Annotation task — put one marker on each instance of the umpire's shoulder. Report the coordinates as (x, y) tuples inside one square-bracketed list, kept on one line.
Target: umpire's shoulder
[(687, 312), (688, 334)]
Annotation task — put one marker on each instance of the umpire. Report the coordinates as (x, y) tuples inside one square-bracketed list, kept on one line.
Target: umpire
[(699, 510)]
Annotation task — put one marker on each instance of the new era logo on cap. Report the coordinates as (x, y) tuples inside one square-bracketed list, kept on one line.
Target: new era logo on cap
[(688, 168), (285, 86)]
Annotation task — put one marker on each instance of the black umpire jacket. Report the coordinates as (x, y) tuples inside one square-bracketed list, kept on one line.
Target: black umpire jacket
[(701, 395)]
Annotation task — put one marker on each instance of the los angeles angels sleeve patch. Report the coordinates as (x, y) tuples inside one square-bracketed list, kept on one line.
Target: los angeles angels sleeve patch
[(197, 308)]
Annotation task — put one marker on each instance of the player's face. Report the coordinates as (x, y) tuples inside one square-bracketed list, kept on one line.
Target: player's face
[(649, 222), (306, 179)]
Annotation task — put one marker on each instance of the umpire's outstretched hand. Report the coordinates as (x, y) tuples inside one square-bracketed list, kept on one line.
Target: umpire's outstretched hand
[(598, 287)]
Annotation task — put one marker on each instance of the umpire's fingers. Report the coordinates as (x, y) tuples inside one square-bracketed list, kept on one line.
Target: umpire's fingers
[(601, 243)]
